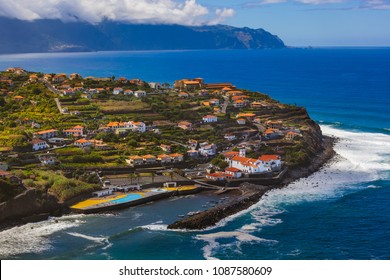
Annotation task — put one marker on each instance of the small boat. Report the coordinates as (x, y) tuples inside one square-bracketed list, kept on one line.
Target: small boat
[(181, 216)]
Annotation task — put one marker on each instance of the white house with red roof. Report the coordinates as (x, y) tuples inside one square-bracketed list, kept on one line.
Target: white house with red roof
[(263, 164), (82, 143), (232, 172), (220, 176), (210, 119), (272, 161), (185, 125), (38, 144), (130, 125), (76, 131), (117, 90), (45, 134)]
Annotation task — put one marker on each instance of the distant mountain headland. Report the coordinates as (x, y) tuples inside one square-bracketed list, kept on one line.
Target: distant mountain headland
[(18, 36)]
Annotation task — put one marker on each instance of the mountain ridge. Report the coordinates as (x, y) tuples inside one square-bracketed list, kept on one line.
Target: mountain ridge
[(45, 35)]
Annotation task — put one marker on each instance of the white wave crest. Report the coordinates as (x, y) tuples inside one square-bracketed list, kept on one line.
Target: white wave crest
[(32, 237), (239, 237), (88, 237), (362, 157)]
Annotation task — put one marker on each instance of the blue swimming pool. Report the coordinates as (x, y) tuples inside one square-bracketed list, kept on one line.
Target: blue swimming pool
[(127, 198)]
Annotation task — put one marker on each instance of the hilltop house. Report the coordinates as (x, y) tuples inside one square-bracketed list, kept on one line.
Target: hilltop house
[(241, 121), (233, 172), (117, 90), (166, 148), (214, 102), (135, 160), (122, 127), (38, 144), (82, 143), (264, 164), (219, 176), (290, 136), (271, 134), (140, 93), (176, 157), (45, 134), (163, 158), (128, 92), (47, 160), (149, 159), (210, 119), (207, 149), (185, 125), (76, 131)]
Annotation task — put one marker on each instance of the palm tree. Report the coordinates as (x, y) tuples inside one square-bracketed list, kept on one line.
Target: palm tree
[(131, 175)]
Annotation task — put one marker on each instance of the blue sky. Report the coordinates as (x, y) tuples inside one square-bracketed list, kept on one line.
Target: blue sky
[(315, 22), (296, 22)]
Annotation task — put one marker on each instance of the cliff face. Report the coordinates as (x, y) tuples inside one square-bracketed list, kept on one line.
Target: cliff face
[(29, 203), (19, 36)]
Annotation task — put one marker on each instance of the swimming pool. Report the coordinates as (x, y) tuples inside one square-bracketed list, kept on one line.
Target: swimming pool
[(127, 198)]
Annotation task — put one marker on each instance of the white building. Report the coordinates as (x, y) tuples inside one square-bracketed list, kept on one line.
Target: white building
[(265, 163), (232, 172), (210, 119), (207, 149), (44, 134), (38, 144), (47, 160), (230, 137), (117, 90), (82, 143), (140, 93)]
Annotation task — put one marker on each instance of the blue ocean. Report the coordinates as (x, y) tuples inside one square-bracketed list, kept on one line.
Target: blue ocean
[(340, 212)]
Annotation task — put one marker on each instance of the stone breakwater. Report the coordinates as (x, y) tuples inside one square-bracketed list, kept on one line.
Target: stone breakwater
[(251, 194)]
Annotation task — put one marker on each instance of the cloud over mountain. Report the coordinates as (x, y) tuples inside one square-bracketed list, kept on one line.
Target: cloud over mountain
[(187, 12)]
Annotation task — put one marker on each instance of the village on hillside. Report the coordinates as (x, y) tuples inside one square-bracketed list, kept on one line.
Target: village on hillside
[(68, 134)]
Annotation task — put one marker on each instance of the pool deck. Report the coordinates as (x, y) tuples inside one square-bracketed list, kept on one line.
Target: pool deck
[(123, 200)]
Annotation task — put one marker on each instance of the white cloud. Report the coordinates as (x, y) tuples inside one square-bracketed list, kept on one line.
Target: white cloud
[(187, 12), (375, 4), (364, 4), (221, 15)]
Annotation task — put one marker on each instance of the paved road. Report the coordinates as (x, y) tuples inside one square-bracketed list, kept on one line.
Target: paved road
[(225, 104)]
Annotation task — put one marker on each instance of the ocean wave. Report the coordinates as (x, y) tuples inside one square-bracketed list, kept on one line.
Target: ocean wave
[(239, 237), (32, 237), (362, 158), (98, 240), (374, 187)]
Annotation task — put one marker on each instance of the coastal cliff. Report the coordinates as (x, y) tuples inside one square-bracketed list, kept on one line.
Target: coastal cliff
[(29, 206)]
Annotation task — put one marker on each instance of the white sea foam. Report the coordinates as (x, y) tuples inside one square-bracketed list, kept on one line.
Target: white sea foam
[(238, 236), (33, 237), (98, 240), (362, 157), (88, 237)]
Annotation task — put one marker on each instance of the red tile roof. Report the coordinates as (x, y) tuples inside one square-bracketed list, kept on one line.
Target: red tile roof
[(269, 157)]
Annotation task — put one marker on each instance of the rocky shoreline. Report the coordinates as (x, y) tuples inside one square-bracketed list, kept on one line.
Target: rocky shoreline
[(251, 194), (41, 206)]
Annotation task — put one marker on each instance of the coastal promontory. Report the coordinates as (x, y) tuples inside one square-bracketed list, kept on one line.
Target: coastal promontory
[(65, 138)]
